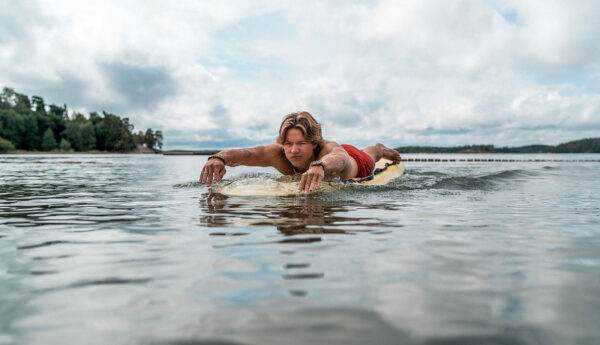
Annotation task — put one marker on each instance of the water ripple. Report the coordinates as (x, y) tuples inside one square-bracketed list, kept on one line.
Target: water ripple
[(124, 248)]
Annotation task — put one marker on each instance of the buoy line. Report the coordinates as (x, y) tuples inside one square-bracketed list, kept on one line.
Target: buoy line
[(494, 160)]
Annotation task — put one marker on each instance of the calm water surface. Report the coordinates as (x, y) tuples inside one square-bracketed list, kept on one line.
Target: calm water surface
[(129, 249)]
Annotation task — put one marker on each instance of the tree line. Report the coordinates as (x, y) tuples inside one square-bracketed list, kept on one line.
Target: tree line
[(590, 145), (31, 125)]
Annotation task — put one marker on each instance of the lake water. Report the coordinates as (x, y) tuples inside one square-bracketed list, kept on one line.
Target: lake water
[(129, 249)]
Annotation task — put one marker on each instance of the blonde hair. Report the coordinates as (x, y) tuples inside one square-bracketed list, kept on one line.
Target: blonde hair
[(303, 121)]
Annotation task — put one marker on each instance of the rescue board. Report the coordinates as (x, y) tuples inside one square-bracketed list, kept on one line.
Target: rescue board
[(385, 171)]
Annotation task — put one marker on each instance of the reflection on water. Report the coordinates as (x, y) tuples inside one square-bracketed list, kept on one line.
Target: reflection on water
[(302, 215), (129, 249), (289, 215)]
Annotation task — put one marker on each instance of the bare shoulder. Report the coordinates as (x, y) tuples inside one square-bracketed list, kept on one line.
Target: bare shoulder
[(274, 154), (328, 147), (272, 149)]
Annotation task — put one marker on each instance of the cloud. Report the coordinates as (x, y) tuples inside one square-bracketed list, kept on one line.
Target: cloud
[(139, 87), (402, 73)]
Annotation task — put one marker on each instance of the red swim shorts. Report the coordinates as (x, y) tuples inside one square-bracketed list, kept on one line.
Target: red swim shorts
[(364, 161)]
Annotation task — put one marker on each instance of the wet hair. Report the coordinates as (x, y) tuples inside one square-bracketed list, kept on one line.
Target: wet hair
[(303, 121)]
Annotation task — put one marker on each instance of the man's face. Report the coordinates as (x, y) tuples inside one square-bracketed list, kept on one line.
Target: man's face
[(297, 150)]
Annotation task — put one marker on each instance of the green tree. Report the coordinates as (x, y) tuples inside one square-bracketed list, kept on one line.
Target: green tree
[(117, 132), (65, 145), (19, 124), (127, 143), (43, 123), (80, 133), (73, 136), (57, 110), (6, 145), (100, 131), (138, 138), (38, 104), (95, 118), (48, 140), (88, 136), (158, 139), (149, 138), (98, 125), (79, 118), (11, 125), (30, 139), (18, 102), (29, 124), (8, 97), (5, 102), (112, 132), (57, 118), (589, 145), (22, 104)]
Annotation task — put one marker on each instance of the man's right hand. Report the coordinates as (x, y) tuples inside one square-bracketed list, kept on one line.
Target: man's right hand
[(212, 172), (311, 179)]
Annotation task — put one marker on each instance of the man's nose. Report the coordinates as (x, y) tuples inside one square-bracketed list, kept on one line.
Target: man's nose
[(295, 148)]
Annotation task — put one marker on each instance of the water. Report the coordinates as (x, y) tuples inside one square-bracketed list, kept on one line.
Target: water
[(128, 249)]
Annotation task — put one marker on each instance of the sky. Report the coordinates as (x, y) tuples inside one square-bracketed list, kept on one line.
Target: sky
[(219, 74)]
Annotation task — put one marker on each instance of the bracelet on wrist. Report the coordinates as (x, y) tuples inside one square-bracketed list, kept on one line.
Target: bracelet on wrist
[(314, 163), (217, 157)]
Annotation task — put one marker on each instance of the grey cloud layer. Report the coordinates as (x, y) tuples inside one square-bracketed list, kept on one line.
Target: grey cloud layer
[(139, 87), (212, 73)]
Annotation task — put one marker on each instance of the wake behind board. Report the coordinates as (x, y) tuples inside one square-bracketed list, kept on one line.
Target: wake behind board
[(385, 171)]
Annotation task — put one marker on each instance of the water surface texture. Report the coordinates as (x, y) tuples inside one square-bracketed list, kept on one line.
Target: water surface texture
[(129, 249)]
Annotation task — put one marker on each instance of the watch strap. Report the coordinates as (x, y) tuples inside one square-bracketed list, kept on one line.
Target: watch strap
[(313, 163), (219, 158)]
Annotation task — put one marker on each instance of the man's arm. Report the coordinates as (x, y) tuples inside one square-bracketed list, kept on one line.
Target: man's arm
[(336, 161), (262, 156)]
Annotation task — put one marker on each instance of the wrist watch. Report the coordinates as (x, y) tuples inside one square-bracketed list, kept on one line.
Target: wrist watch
[(313, 163), (217, 157)]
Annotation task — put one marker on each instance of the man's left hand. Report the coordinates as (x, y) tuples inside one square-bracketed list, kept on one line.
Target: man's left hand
[(311, 179)]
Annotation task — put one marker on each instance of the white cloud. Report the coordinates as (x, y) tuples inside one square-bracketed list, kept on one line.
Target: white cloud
[(404, 73)]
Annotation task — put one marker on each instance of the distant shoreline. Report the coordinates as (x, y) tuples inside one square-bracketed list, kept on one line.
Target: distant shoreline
[(49, 153), (590, 145), (204, 153), (190, 152), (208, 153)]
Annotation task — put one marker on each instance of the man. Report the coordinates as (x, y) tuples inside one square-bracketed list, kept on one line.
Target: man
[(300, 148)]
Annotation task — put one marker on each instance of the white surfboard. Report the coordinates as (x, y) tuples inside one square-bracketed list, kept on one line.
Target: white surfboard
[(385, 171)]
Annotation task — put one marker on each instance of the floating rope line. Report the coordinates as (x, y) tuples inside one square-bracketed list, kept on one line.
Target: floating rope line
[(378, 171), (375, 172), (494, 160)]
